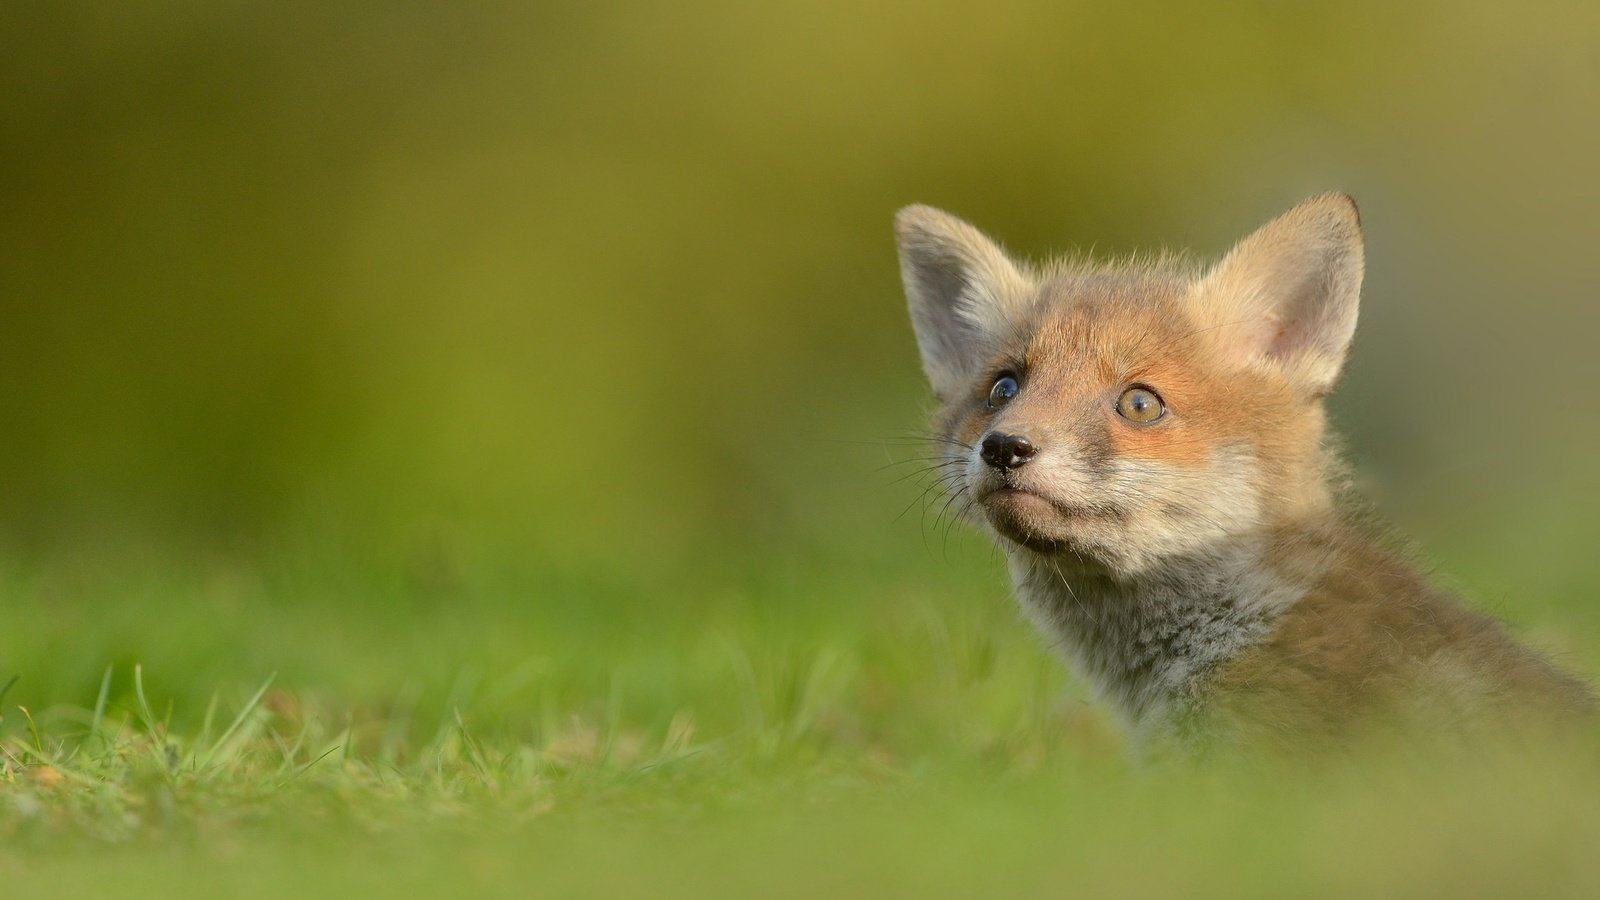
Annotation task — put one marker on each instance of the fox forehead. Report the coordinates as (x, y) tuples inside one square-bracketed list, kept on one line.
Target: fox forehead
[(1109, 332)]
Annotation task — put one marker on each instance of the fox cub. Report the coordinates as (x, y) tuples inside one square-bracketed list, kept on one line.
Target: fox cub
[(1147, 444)]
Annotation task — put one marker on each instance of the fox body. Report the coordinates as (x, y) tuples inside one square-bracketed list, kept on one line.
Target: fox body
[(1146, 442)]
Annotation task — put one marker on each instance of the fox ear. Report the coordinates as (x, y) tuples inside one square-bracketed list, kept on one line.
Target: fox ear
[(1288, 293), (963, 292)]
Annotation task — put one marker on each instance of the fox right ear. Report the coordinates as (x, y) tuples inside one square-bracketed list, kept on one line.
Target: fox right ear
[(1287, 294), (963, 292)]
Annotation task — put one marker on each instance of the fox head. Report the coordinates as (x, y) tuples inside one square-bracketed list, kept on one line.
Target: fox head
[(1112, 417)]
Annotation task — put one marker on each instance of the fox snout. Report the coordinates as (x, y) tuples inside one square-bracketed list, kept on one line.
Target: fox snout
[(1006, 451)]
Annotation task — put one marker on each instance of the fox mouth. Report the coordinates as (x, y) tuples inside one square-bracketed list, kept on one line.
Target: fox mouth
[(1035, 521), (1025, 517)]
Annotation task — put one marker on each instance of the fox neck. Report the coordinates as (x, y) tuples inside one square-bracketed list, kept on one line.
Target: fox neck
[(1144, 644)]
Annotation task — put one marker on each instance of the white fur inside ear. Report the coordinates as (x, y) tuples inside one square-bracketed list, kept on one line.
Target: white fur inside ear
[(963, 291), (1289, 293)]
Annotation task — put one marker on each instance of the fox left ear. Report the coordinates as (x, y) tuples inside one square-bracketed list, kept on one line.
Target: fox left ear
[(963, 292), (1288, 293)]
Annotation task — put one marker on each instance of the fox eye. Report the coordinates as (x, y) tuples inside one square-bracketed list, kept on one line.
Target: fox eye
[(1141, 405), (1005, 387)]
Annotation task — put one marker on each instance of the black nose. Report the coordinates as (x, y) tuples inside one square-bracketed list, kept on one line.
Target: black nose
[(1006, 451)]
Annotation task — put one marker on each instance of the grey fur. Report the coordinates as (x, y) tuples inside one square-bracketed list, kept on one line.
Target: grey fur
[(1145, 646)]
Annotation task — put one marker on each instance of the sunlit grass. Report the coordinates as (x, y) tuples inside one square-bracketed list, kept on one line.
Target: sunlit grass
[(841, 730), (848, 711)]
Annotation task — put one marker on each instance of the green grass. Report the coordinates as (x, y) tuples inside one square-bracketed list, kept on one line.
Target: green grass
[(812, 723)]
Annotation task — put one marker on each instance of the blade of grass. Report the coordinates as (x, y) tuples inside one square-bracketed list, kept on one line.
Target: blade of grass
[(158, 739), (145, 715), (6, 690), (98, 722), (33, 729), (209, 721), (238, 721), (302, 770)]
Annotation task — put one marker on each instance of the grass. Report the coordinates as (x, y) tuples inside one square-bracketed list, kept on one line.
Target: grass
[(821, 722)]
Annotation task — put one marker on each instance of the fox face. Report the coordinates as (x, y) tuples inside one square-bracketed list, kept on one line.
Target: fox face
[(1110, 419)]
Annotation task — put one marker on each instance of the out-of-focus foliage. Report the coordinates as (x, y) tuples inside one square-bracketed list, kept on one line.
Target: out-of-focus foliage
[(611, 280)]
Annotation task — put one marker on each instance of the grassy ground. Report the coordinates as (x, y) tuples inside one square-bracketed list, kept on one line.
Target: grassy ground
[(831, 723)]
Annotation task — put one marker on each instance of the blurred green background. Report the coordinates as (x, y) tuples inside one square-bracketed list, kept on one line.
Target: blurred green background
[(350, 340), (524, 384)]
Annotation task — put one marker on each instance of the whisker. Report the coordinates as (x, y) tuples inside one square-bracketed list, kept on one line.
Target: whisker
[(925, 473), (944, 458), (945, 508), (916, 500)]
